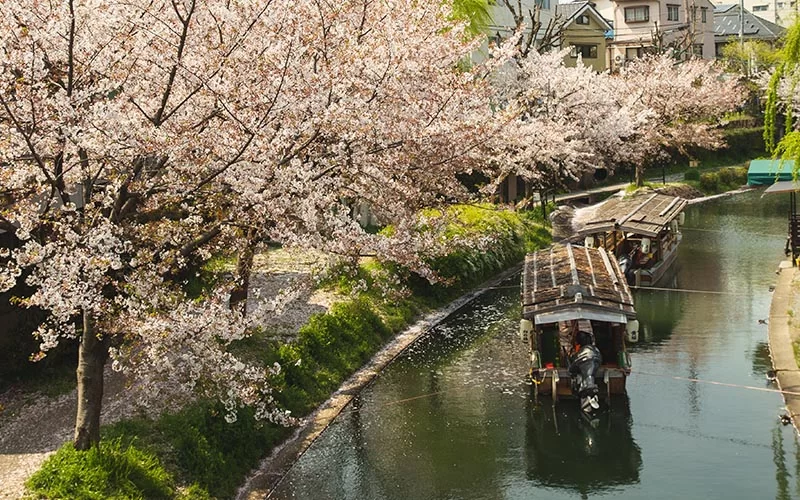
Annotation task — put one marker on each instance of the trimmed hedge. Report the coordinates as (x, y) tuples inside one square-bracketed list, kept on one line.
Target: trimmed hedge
[(691, 175), (724, 179)]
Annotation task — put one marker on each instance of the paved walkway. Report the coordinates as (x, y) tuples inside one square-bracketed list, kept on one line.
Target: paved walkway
[(783, 330)]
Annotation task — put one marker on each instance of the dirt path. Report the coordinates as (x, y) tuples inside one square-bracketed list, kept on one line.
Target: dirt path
[(33, 426)]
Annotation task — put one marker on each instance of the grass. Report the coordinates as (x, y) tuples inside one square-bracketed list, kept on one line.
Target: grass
[(194, 454), (111, 470)]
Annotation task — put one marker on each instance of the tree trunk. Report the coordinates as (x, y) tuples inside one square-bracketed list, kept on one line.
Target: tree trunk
[(244, 268), (92, 356), (639, 176)]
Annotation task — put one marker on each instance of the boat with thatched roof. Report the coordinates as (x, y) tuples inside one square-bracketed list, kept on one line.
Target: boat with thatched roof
[(642, 231), (568, 289)]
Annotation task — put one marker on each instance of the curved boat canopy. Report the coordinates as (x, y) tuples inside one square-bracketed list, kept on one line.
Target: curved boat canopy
[(566, 282), (646, 214)]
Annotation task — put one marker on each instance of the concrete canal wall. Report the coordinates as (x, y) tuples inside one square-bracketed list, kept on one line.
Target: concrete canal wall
[(274, 467), (782, 333)]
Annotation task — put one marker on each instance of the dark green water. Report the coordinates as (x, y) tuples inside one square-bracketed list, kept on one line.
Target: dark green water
[(454, 419)]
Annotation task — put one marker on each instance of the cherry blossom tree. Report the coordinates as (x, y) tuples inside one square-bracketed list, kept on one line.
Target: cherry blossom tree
[(138, 138), (566, 121), (677, 105)]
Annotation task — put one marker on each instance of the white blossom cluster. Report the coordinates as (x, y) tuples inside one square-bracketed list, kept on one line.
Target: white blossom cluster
[(139, 138), (566, 121)]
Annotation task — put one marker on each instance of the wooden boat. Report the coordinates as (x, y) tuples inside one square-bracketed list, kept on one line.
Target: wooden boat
[(643, 232), (566, 288)]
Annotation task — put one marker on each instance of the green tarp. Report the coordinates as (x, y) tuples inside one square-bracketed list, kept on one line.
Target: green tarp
[(766, 172)]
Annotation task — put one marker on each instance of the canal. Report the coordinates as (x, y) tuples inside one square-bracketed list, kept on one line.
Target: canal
[(454, 417)]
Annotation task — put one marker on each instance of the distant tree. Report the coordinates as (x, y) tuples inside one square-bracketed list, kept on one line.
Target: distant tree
[(749, 59), (138, 138), (566, 120), (781, 93), (675, 106), (475, 12)]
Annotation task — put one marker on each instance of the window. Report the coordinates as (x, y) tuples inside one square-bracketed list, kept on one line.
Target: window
[(697, 50), (760, 8), (633, 53), (703, 14), (585, 51), (781, 5), (584, 19), (672, 12), (544, 4), (637, 14)]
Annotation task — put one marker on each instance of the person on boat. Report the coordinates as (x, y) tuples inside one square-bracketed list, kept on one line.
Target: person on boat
[(583, 366)]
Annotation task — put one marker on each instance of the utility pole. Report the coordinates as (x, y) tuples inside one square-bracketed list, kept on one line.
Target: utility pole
[(741, 24)]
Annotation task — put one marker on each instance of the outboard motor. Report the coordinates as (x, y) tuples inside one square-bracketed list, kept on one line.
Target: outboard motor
[(583, 369)]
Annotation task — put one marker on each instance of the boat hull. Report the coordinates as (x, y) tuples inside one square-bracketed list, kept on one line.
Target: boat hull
[(650, 276), (609, 381)]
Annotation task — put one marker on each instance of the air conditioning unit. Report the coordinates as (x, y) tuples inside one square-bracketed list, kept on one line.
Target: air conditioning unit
[(617, 58)]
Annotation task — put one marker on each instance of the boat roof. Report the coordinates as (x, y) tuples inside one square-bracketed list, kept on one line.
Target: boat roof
[(783, 187), (646, 214), (566, 282)]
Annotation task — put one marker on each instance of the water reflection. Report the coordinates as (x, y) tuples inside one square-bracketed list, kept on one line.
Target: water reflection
[(762, 362), (658, 313), (565, 449)]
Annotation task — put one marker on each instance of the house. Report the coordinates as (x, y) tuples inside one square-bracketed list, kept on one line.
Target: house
[(727, 21), (586, 33), (641, 26), (780, 12)]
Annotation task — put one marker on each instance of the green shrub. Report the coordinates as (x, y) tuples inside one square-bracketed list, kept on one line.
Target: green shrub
[(732, 177), (724, 179), (512, 235), (110, 470), (691, 175), (709, 182)]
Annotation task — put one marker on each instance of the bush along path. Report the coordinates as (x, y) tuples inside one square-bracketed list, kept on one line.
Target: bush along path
[(194, 453)]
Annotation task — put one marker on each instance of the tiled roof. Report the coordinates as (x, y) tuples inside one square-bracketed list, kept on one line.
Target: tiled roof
[(570, 10), (726, 24)]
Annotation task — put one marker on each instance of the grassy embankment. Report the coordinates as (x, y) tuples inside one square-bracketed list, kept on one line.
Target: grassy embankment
[(717, 171), (710, 182), (726, 169), (194, 454)]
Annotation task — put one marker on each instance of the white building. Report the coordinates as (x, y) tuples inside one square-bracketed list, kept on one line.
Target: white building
[(640, 26)]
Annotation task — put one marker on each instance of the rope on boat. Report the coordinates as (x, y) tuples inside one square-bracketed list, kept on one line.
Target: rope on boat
[(662, 375), (684, 228), (714, 382), (684, 290)]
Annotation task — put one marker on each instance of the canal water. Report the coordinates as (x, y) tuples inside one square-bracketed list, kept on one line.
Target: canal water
[(454, 418)]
